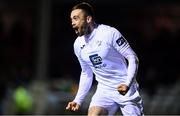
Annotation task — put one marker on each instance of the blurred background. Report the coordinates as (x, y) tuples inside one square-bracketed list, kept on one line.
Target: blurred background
[(39, 72)]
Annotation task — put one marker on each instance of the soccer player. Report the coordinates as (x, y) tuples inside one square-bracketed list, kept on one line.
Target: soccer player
[(102, 50)]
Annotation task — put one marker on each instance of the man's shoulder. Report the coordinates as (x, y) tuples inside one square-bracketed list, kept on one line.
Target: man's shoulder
[(78, 42), (105, 28)]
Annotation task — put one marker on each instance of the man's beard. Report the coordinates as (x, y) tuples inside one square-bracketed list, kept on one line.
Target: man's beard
[(83, 30)]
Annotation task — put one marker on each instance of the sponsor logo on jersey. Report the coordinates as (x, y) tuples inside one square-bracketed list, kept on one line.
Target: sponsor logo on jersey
[(96, 60), (120, 41)]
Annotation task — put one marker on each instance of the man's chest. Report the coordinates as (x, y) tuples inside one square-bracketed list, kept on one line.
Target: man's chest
[(95, 52)]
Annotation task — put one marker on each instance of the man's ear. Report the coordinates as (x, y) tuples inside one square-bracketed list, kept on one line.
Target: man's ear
[(89, 19)]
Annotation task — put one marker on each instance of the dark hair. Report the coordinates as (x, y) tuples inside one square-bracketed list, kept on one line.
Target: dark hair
[(86, 7)]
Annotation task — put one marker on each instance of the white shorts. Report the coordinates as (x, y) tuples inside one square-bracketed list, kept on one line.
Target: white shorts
[(112, 100)]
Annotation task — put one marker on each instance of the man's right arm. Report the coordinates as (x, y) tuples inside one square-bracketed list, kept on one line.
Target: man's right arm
[(86, 79), (85, 83)]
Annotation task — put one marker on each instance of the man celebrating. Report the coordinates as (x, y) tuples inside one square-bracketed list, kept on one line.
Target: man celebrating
[(102, 50)]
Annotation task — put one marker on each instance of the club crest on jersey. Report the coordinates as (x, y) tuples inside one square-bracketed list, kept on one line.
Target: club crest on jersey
[(120, 41), (99, 43), (82, 46), (96, 61)]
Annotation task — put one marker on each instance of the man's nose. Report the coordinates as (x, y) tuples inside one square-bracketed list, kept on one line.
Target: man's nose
[(73, 23)]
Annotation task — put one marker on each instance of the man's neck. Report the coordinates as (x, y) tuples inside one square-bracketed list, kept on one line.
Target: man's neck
[(91, 28)]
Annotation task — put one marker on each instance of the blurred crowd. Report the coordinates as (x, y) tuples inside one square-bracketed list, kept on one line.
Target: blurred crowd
[(152, 30)]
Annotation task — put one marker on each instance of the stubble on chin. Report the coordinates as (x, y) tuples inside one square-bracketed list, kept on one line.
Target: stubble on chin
[(83, 30)]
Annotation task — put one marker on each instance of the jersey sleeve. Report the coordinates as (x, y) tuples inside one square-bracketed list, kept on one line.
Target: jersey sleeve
[(120, 44), (86, 78), (118, 41)]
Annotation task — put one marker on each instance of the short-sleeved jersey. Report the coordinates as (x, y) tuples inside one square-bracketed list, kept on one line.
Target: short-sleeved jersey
[(102, 51)]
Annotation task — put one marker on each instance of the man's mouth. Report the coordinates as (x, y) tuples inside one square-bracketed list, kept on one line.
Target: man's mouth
[(76, 30)]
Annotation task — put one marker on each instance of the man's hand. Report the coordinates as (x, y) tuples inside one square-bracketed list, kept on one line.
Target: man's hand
[(123, 89), (73, 106)]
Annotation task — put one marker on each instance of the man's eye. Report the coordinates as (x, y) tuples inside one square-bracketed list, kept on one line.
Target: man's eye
[(75, 18)]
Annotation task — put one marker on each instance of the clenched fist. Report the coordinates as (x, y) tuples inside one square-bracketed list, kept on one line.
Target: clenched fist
[(123, 89)]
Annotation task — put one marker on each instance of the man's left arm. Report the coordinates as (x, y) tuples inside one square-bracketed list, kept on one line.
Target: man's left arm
[(122, 46), (133, 63)]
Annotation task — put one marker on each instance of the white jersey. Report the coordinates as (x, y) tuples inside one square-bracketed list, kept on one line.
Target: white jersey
[(103, 53)]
